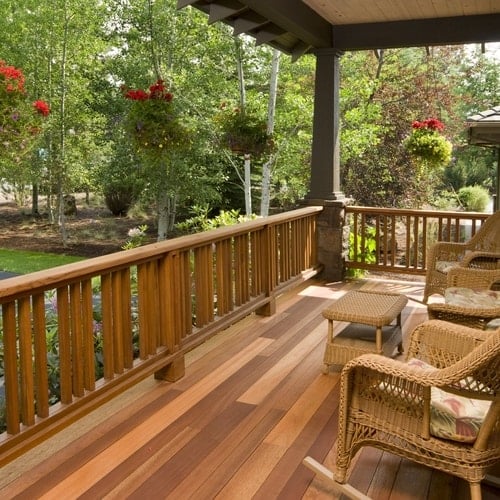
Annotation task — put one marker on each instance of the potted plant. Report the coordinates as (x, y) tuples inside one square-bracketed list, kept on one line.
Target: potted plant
[(152, 121), (244, 132), (160, 136), (427, 144)]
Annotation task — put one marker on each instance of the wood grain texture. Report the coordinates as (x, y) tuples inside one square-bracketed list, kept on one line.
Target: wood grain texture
[(252, 405)]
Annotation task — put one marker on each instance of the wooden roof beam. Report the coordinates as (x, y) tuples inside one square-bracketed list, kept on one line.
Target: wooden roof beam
[(219, 11), (300, 20), (417, 33), (248, 22), (268, 34)]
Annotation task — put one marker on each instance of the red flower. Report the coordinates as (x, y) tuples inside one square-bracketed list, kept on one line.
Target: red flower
[(13, 77), (430, 123), (42, 107), (434, 124), (136, 95), (156, 91)]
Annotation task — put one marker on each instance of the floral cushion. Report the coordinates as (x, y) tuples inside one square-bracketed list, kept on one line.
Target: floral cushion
[(493, 324), (454, 417), (466, 297), (444, 266)]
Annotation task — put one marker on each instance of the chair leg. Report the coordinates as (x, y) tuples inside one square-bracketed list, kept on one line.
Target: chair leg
[(475, 491), (327, 474)]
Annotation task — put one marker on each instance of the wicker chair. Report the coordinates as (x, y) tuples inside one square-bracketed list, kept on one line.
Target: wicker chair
[(386, 403), (474, 317), (481, 251)]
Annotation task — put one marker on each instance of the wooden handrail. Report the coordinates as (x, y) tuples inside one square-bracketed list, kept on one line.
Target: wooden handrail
[(135, 313)]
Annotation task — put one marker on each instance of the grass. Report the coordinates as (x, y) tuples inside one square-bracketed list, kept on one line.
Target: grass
[(22, 262)]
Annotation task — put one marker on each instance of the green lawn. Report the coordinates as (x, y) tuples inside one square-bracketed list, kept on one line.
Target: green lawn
[(20, 262)]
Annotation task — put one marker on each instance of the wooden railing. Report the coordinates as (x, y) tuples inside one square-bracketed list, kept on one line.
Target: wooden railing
[(130, 314), (393, 240)]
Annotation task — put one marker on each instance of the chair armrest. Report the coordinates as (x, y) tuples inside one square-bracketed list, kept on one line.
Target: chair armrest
[(474, 278), (473, 317), (481, 260)]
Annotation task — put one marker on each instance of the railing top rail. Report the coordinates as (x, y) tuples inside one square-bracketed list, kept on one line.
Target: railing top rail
[(422, 213), (48, 279)]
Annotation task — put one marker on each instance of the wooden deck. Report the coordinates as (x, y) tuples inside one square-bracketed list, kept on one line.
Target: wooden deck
[(254, 402)]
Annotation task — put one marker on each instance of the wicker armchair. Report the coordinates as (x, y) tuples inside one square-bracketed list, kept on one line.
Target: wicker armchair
[(475, 279), (481, 251), (386, 403)]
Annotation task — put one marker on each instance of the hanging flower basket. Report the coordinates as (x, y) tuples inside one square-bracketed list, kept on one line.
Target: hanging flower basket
[(20, 120), (244, 133), (152, 120), (426, 143)]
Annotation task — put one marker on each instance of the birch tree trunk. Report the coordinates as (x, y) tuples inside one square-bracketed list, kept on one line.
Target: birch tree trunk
[(62, 159), (271, 110), (248, 186), (163, 207)]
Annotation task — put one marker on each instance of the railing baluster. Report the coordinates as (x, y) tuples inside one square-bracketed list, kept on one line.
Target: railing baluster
[(26, 362), (107, 327), (66, 385), (11, 380), (118, 344), (40, 351), (88, 336), (76, 339)]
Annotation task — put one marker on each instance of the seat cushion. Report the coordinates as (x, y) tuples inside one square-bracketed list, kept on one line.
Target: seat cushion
[(454, 417), (466, 297)]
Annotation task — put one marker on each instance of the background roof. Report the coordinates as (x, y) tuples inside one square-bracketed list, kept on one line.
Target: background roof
[(484, 128), (299, 26)]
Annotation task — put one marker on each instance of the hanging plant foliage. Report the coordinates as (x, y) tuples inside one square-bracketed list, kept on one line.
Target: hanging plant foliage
[(152, 120), (427, 144), (20, 120), (244, 132)]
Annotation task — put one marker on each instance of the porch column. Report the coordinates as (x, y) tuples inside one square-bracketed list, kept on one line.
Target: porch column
[(325, 160), (333, 234)]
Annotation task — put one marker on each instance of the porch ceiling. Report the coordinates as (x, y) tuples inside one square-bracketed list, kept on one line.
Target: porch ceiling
[(300, 26)]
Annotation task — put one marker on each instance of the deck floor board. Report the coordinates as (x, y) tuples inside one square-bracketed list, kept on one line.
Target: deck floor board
[(253, 403)]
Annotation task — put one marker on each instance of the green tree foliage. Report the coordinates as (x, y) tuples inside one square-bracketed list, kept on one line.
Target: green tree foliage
[(77, 55), (401, 86)]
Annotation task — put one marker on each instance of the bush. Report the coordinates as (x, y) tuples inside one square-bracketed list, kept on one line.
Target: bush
[(474, 198), (120, 180), (119, 197)]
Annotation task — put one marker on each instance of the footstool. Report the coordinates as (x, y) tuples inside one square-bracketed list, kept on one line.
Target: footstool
[(372, 315)]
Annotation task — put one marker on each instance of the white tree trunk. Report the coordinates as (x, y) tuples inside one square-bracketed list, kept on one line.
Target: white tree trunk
[(241, 75), (248, 187), (163, 214), (271, 110)]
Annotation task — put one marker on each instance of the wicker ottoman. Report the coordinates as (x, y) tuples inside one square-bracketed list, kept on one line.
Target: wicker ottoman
[(372, 315)]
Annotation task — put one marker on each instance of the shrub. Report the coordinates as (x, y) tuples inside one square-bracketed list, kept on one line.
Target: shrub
[(473, 198)]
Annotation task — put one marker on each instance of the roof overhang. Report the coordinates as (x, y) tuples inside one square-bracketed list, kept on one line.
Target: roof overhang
[(484, 128), (300, 26)]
